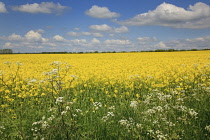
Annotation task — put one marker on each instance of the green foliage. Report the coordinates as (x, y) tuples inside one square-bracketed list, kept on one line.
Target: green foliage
[(6, 51)]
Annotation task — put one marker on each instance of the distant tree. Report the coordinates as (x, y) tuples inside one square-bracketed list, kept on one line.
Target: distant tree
[(194, 49), (6, 51), (171, 50), (160, 50)]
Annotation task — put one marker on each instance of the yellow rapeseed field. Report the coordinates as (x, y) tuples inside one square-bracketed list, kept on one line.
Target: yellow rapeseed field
[(119, 66), (163, 67)]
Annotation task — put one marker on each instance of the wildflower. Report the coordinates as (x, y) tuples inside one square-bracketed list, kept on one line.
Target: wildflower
[(134, 104), (139, 126), (31, 81), (8, 63), (51, 118), (112, 108), (2, 127), (158, 108), (192, 112), (56, 63), (97, 105), (123, 122), (59, 100), (67, 108), (150, 111), (2, 72), (207, 128), (44, 124), (18, 63), (63, 112), (110, 114), (105, 118), (74, 76), (54, 71), (74, 115), (78, 110)]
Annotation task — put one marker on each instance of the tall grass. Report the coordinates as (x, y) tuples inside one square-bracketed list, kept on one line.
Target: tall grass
[(140, 108)]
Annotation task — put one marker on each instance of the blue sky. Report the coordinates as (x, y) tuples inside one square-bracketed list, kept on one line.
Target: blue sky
[(104, 25)]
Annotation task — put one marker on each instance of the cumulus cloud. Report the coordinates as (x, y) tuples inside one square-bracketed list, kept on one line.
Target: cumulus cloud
[(107, 28), (8, 45), (195, 17), (161, 45), (98, 35), (78, 41), (74, 34), (14, 37), (117, 42), (77, 29), (146, 40), (31, 36), (2, 8), (78, 34), (122, 29), (101, 28), (101, 12), (34, 36), (59, 38), (95, 41), (44, 7), (195, 43)]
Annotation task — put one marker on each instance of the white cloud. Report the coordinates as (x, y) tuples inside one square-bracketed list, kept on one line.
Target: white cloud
[(98, 35), (101, 28), (101, 12), (78, 41), (36, 47), (117, 42), (107, 28), (8, 45), (196, 17), (35, 36), (78, 34), (195, 43), (2, 8), (77, 29), (44, 7), (111, 35), (161, 45), (85, 33), (74, 34), (59, 38), (14, 37), (95, 41), (40, 31), (122, 29), (147, 40)]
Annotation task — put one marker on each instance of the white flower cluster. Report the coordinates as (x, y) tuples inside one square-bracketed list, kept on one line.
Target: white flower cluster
[(127, 123), (1, 128), (97, 105), (32, 81), (44, 123), (134, 104), (207, 128), (109, 114), (59, 100)]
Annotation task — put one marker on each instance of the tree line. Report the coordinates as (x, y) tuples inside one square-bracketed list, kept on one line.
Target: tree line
[(9, 51), (6, 51)]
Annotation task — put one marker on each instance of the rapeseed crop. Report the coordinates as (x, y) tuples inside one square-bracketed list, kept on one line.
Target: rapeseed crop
[(162, 95)]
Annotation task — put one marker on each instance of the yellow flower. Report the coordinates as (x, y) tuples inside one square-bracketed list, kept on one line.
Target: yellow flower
[(137, 95), (43, 94)]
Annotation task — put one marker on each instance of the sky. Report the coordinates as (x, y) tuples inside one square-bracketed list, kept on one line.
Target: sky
[(33, 26)]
